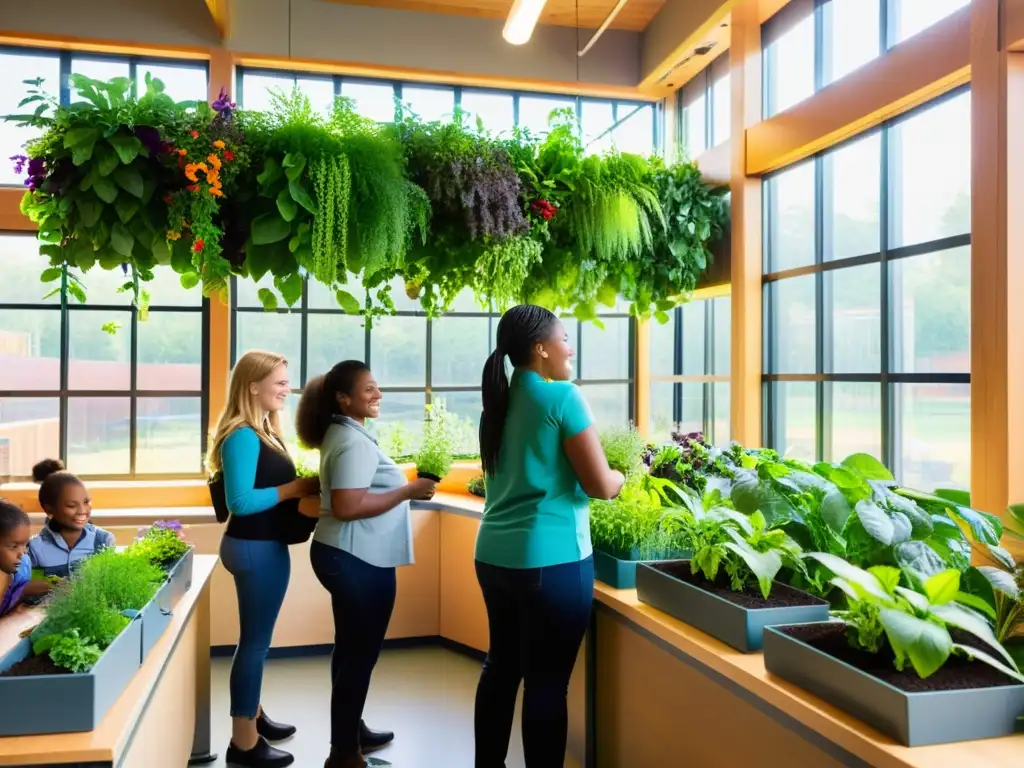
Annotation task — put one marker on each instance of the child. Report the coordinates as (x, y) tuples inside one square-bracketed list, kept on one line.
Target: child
[(68, 536), (14, 536)]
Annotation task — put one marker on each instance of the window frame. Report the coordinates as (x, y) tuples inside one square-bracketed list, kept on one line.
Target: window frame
[(701, 88), (773, 408)]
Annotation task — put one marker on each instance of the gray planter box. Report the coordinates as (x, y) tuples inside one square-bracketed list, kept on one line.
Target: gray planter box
[(158, 612), (913, 719), (740, 627), (67, 703), (621, 574)]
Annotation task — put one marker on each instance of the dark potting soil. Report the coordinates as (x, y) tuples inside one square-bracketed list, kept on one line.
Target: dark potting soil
[(957, 674), (32, 666), (781, 595)]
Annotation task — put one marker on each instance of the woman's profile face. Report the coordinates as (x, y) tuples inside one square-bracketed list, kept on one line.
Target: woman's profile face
[(364, 400), (557, 354), (272, 392)]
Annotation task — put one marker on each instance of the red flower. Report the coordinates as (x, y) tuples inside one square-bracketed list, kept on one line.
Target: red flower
[(192, 187), (198, 246), (194, 134), (229, 155)]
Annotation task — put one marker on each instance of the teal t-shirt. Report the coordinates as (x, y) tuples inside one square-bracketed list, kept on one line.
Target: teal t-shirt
[(536, 513)]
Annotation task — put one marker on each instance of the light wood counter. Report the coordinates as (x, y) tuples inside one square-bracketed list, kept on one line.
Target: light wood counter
[(162, 717)]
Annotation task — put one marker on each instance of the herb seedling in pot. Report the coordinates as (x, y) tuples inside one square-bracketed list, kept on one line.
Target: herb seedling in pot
[(434, 459)]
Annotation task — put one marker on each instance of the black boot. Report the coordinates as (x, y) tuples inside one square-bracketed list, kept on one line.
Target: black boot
[(373, 740), (337, 760), (261, 756), (272, 731)]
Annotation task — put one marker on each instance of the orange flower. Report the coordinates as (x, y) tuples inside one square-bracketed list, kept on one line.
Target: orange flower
[(214, 161), (182, 152), (213, 176), (190, 172), (215, 191), (174, 235), (218, 144), (202, 167)]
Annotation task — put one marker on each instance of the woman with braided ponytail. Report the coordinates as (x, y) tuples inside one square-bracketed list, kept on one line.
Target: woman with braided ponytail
[(543, 460), (363, 535)]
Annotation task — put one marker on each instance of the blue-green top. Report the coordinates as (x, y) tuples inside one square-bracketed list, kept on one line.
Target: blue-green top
[(536, 513)]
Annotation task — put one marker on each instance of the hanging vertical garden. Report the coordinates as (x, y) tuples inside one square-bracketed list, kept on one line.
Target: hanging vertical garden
[(210, 191)]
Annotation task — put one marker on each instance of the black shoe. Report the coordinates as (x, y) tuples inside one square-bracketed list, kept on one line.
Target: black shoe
[(373, 740), (261, 756), (272, 731)]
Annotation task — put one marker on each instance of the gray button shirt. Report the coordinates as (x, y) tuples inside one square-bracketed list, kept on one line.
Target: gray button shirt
[(350, 459)]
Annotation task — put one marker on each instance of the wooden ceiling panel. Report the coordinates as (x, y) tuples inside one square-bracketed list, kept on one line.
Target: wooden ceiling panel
[(635, 16)]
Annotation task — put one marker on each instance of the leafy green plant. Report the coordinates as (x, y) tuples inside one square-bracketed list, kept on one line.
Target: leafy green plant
[(435, 454), (307, 462), (477, 486), (629, 526), (126, 581), (915, 622), (624, 448), (162, 544), (81, 604), (69, 650)]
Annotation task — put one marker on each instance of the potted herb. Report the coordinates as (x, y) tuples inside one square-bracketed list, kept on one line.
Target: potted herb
[(627, 530), (478, 486), (163, 545), (70, 670), (727, 588), (624, 449), (434, 459), (906, 656)]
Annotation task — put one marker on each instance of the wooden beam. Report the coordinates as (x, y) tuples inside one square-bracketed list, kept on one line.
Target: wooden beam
[(222, 12), (125, 47), (745, 84), (222, 74), (11, 217), (358, 69), (997, 263), (912, 73)]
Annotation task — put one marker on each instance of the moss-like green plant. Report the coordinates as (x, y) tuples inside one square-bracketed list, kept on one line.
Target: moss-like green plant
[(127, 580), (478, 486), (435, 456), (624, 448)]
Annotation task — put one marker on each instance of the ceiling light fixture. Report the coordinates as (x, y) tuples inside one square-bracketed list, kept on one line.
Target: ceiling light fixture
[(521, 21)]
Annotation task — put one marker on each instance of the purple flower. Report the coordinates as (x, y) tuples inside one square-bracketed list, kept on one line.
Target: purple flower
[(223, 105), (150, 138), (37, 167), (19, 163), (173, 525)]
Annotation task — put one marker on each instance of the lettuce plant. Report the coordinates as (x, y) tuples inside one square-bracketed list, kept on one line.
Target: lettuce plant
[(915, 622)]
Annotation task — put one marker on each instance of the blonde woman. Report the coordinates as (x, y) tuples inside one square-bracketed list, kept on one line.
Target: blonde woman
[(262, 493)]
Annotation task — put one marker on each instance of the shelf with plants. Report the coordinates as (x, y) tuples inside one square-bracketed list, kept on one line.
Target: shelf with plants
[(921, 644), (136, 184), (67, 673)]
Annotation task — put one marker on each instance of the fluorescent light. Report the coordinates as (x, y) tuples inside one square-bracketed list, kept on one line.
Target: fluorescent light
[(521, 21)]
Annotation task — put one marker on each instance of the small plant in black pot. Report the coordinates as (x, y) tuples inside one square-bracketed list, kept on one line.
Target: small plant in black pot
[(478, 487), (434, 459)]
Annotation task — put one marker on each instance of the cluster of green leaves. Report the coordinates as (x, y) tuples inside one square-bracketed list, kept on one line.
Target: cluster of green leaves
[(913, 614), (477, 486), (307, 462), (629, 526), (128, 579), (624, 448), (161, 546), (69, 650), (435, 454), (97, 201), (443, 206)]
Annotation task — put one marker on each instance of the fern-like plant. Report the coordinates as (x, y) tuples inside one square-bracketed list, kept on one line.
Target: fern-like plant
[(434, 459)]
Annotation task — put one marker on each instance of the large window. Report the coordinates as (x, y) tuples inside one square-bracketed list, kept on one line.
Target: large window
[(704, 108), (812, 43), (867, 298), (690, 371), (112, 394), (416, 360)]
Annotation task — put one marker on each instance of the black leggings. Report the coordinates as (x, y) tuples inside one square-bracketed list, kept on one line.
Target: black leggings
[(537, 618), (362, 599)]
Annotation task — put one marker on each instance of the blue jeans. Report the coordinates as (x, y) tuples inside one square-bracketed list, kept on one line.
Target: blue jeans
[(362, 599), (537, 618), (261, 569)]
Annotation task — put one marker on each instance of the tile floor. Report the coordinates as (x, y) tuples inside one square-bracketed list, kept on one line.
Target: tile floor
[(425, 695)]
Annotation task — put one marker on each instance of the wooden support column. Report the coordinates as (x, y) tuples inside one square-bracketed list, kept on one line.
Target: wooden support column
[(997, 263), (222, 75), (745, 81)]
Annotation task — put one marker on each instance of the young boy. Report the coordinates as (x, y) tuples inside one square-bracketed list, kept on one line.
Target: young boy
[(14, 560)]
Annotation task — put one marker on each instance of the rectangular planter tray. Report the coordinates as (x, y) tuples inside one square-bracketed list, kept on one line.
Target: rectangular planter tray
[(618, 573), (67, 703), (740, 627), (913, 719), (158, 612)]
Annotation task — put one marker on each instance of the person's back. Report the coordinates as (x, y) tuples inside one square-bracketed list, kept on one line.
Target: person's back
[(542, 461), (536, 513)]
